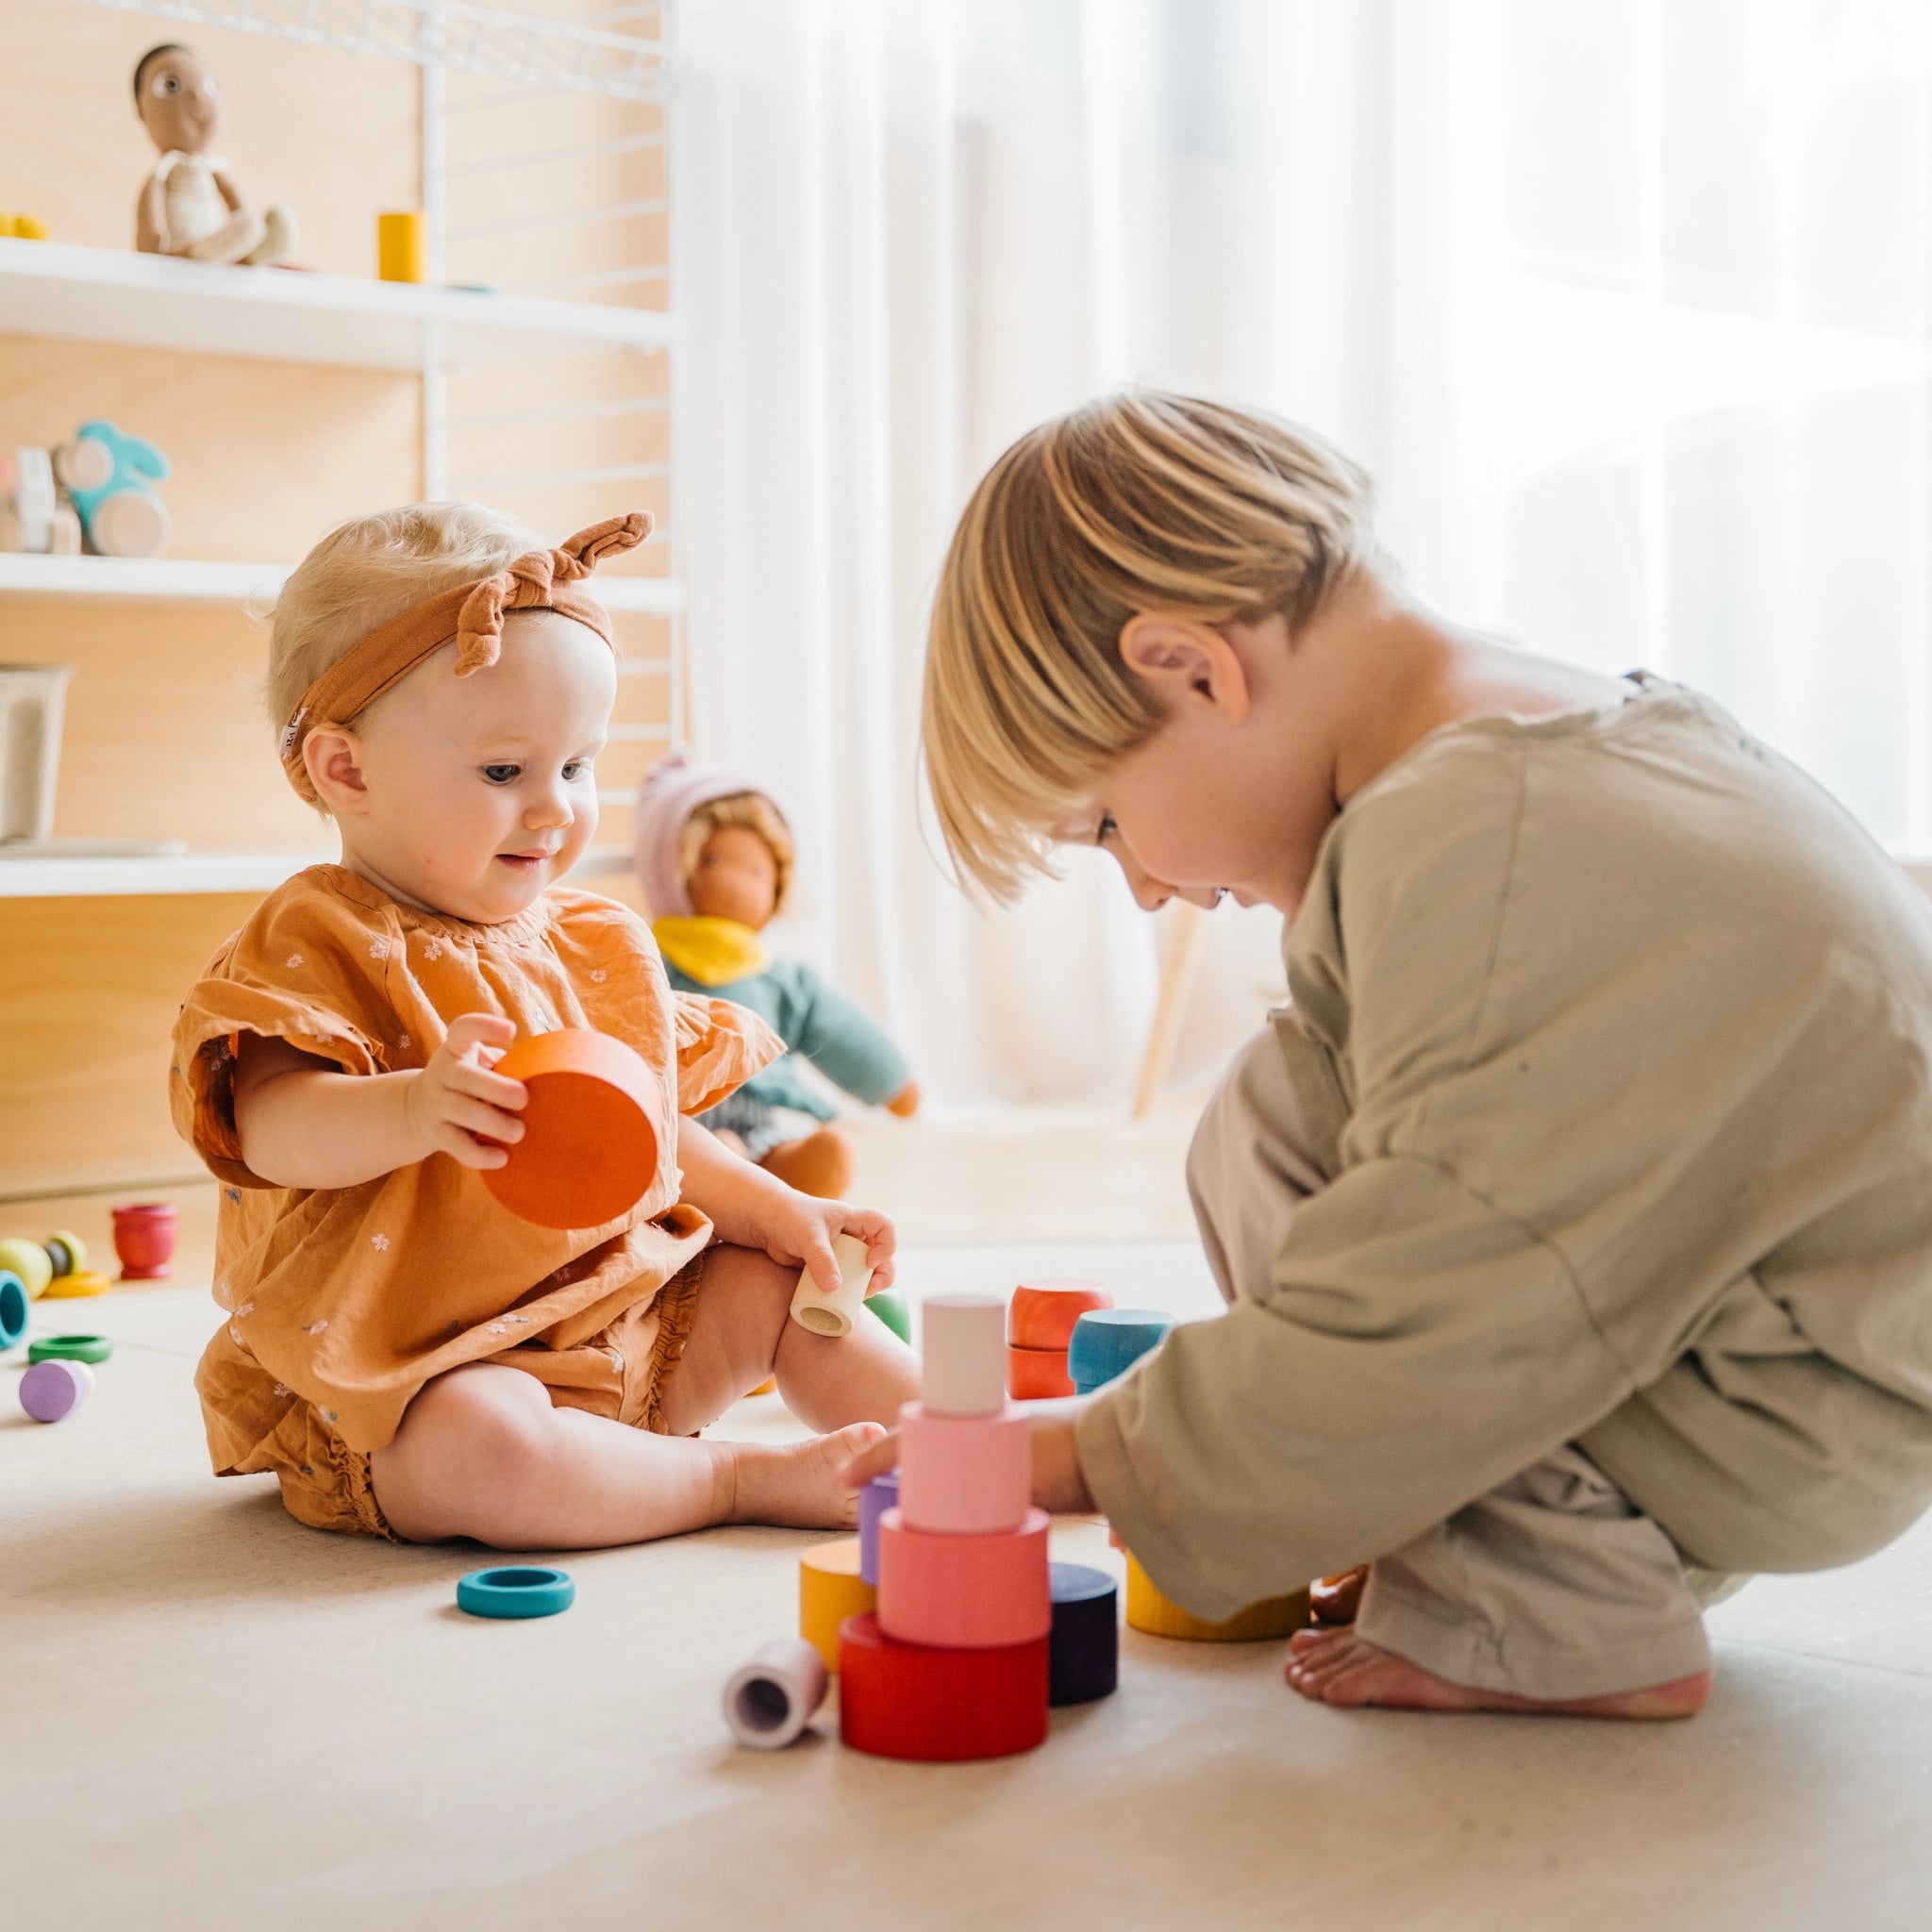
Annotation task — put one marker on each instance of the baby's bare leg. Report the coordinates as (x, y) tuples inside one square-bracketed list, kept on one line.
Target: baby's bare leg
[(742, 1332), (482, 1452)]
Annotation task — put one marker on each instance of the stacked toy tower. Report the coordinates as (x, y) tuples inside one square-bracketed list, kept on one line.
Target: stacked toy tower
[(954, 1662)]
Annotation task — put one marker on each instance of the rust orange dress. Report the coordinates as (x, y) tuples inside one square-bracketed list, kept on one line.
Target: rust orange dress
[(343, 1301)]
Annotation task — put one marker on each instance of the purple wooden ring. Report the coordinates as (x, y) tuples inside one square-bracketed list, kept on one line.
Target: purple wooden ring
[(50, 1389), (880, 1494)]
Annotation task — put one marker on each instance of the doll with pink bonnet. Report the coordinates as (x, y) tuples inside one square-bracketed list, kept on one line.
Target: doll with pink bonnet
[(714, 857)]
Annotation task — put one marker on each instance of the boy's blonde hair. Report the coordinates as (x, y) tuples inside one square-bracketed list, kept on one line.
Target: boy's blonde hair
[(370, 570), (1144, 501), (754, 813)]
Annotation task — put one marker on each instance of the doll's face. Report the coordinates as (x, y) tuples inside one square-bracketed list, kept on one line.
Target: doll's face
[(178, 103), (736, 877)]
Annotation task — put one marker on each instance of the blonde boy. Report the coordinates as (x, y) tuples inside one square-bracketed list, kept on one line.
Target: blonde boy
[(1575, 1215)]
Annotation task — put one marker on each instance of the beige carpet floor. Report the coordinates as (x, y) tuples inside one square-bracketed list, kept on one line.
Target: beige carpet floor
[(213, 1718)]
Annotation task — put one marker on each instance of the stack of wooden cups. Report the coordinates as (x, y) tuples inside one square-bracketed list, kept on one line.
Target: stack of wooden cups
[(953, 1661), (1039, 1324)]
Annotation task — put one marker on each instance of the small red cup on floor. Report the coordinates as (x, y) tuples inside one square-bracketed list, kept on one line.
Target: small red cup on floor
[(144, 1239)]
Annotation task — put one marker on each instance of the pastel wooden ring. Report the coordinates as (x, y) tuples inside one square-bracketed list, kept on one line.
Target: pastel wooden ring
[(936, 1706), (830, 1589), (1106, 1343), (31, 1262), (1159, 1616), (1042, 1312), (834, 1314), (590, 1130), (772, 1696), (964, 1371), (50, 1389), (67, 1252), (83, 1282), (1036, 1375), (1084, 1655), (13, 1305), (69, 1348), (880, 1494), (514, 1590), (964, 1475), (969, 1592)]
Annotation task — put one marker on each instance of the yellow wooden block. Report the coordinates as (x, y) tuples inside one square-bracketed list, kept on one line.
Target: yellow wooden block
[(830, 1589), (1148, 1610)]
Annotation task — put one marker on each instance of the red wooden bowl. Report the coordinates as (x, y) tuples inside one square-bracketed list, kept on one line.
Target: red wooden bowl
[(590, 1130)]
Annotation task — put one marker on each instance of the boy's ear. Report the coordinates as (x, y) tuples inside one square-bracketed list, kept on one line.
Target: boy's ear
[(1186, 661), (333, 757)]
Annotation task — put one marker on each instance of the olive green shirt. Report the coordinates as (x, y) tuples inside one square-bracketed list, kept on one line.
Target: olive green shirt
[(1610, 1034)]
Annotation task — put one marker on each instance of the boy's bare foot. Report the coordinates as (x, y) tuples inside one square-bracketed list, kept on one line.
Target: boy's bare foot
[(796, 1484), (1339, 1667)]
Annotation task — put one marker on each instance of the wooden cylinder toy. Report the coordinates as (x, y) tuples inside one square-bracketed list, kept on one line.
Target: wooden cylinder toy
[(1036, 1375), (773, 1695), (82, 1281), (590, 1130), (144, 1239), (969, 1592), (1042, 1312), (834, 1314), (830, 1589), (52, 1389), (939, 1707), (1084, 1654), (401, 255), (1106, 1343), (964, 1475), (67, 1252), (13, 1305), (880, 1494), (964, 1371), (1159, 1616), (31, 1262)]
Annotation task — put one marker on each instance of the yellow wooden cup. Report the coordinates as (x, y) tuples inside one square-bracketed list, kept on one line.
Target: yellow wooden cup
[(1159, 1616), (400, 252)]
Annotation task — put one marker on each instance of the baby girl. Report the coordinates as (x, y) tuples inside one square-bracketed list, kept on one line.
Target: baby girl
[(405, 1356)]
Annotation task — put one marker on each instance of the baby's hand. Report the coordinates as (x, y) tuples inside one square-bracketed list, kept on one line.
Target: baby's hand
[(798, 1231), (456, 1105)]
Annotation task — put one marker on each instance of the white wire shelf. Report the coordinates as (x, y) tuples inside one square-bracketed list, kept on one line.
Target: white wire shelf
[(446, 33), (285, 315), (89, 875), (188, 580)]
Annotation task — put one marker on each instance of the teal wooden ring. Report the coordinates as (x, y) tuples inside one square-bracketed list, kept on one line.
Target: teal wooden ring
[(69, 1348), (13, 1303), (516, 1590)]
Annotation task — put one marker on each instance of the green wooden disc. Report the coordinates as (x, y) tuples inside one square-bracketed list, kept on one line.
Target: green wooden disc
[(889, 1305), (69, 1348)]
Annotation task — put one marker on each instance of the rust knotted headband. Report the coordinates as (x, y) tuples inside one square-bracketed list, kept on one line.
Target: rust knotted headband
[(472, 614)]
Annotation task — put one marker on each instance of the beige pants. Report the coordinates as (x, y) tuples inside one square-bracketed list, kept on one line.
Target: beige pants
[(1553, 1585)]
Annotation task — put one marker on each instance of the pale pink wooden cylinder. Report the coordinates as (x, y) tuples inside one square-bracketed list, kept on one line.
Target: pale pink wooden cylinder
[(964, 1475), (964, 1592)]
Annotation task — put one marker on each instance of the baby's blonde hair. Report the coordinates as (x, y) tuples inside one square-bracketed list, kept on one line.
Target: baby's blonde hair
[(754, 813), (1144, 501), (370, 570)]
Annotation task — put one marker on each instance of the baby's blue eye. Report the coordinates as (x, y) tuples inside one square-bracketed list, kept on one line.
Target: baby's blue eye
[(501, 775), (576, 769)]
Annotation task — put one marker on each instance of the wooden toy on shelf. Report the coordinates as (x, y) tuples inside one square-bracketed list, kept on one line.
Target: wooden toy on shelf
[(52, 1390), (22, 227), (516, 1591), (144, 1239), (13, 1306), (34, 517), (30, 1262), (590, 1130), (830, 1590), (1106, 1343), (33, 701), (834, 1314), (189, 205), (1159, 1616), (105, 473), (773, 1695), (401, 246), (1084, 1657)]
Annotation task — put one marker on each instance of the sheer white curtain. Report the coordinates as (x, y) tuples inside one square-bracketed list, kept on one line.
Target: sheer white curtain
[(1623, 302)]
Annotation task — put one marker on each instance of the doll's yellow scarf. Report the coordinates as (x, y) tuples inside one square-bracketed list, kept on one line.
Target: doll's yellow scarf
[(714, 952)]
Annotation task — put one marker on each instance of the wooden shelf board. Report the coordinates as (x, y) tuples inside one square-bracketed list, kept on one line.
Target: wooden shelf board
[(190, 580), (280, 315)]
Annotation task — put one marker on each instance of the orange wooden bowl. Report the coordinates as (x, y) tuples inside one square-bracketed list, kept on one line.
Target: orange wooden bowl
[(1042, 1311), (591, 1137)]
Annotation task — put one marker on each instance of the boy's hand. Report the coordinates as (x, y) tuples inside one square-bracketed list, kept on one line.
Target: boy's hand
[(797, 1231), (456, 1105)]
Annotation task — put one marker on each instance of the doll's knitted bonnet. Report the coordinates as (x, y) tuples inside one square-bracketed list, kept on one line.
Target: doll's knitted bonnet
[(670, 792)]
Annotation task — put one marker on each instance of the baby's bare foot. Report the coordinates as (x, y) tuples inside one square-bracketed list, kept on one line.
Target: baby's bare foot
[(1339, 1667), (796, 1484)]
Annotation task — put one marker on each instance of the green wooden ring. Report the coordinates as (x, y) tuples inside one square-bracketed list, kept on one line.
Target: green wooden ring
[(889, 1305), (69, 1348)]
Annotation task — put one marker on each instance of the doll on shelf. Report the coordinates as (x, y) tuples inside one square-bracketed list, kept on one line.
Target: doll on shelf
[(714, 858), (191, 204)]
